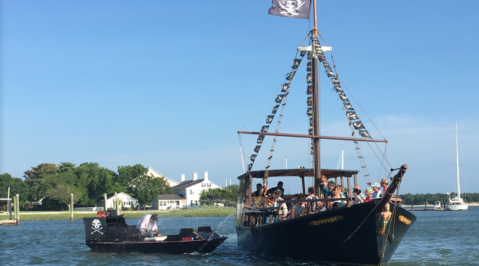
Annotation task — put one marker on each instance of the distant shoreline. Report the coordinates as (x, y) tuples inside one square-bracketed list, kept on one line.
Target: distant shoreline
[(65, 215)]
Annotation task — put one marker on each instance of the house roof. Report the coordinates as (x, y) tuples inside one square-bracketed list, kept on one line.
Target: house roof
[(187, 183), (171, 180), (111, 195), (170, 197)]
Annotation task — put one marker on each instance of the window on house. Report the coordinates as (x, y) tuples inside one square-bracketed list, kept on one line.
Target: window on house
[(178, 202), (191, 192), (172, 202)]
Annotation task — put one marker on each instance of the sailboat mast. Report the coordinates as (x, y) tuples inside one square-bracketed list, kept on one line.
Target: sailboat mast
[(315, 96), (457, 168)]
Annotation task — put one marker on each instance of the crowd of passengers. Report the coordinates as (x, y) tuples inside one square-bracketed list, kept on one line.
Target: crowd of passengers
[(328, 190)]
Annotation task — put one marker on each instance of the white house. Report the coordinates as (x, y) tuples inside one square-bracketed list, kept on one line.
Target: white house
[(168, 202), (152, 172), (126, 200), (190, 190)]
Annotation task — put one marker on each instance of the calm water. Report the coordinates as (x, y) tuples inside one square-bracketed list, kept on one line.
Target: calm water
[(437, 238)]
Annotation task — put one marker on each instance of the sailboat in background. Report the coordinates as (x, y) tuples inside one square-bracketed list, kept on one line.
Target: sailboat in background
[(457, 204)]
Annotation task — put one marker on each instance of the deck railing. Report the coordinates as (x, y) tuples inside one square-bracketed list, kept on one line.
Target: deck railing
[(259, 216)]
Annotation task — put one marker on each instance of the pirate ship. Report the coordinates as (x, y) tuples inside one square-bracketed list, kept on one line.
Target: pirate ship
[(110, 234), (359, 234)]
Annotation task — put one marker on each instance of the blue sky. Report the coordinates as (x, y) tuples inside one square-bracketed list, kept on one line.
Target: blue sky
[(167, 84)]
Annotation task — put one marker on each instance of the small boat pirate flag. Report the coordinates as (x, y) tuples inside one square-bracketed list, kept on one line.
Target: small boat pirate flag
[(290, 8)]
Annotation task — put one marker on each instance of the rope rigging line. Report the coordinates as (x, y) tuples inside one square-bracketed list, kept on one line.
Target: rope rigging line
[(367, 133), (354, 122), (354, 232), (393, 222), (280, 100), (360, 107), (385, 168), (296, 55)]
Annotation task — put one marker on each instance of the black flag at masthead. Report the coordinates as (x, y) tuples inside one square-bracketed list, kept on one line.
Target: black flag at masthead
[(290, 8)]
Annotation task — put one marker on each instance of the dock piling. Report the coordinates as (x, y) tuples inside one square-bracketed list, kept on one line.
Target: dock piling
[(106, 204), (9, 204), (17, 212), (71, 209)]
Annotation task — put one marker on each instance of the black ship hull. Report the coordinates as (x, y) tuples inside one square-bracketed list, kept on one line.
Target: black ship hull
[(162, 247), (111, 234), (324, 237)]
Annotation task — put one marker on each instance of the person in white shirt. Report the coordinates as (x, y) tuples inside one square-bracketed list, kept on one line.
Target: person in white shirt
[(280, 203), (377, 193), (148, 224), (358, 196)]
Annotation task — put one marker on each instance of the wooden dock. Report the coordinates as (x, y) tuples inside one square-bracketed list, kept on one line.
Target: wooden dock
[(8, 222)]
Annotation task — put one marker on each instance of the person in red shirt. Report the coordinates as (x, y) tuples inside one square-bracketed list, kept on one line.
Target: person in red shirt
[(368, 193)]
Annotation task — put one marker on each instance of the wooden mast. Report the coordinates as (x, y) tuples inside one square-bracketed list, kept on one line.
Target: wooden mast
[(315, 96)]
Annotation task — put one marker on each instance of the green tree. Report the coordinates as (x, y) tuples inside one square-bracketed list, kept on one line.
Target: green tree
[(66, 167), (62, 193), (212, 195), (127, 173), (16, 185), (146, 188), (235, 189), (96, 180), (33, 177)]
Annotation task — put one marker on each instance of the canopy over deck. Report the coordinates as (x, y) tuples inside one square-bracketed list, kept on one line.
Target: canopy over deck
[(329, 173)]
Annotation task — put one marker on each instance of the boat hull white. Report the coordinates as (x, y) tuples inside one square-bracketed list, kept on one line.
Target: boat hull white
[(456, 204), (457, 207)]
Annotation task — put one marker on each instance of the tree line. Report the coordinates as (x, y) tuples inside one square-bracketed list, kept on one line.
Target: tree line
[(420, 199), (227, 196), (88, 181)]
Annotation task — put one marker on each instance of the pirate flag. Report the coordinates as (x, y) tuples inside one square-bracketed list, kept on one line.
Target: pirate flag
[(290, 8)]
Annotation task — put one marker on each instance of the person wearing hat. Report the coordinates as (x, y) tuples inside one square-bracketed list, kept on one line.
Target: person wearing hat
[(148, 224), (368, 193), (376, 192), (384, 185)]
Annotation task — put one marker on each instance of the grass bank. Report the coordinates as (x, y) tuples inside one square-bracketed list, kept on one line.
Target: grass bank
[(197, 212)]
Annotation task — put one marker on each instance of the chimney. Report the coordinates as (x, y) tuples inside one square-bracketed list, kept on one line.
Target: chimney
[(206, 175), (183, 178), (195, 176)]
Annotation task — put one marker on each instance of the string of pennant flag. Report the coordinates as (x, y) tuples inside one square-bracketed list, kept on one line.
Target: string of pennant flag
[(355, 124), (350, 112), (280, 100)]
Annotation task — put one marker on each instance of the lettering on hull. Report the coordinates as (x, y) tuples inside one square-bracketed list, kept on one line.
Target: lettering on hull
[(327, 221)]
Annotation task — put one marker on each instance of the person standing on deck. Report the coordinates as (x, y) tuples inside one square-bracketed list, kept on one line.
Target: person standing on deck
[(148, 224), (324, 186), (358, 196), (311, 206), (279, 186), (257, 193), (384, 185), (377, 193)]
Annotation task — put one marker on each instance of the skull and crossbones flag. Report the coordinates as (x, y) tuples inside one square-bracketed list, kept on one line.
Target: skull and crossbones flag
[(290, 8)]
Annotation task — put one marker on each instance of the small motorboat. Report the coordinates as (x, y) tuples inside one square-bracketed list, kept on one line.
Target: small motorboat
[(109, 233)]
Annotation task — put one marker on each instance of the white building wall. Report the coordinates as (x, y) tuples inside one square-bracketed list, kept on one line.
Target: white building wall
[(127, 200), (163, 205), (193, 193)]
